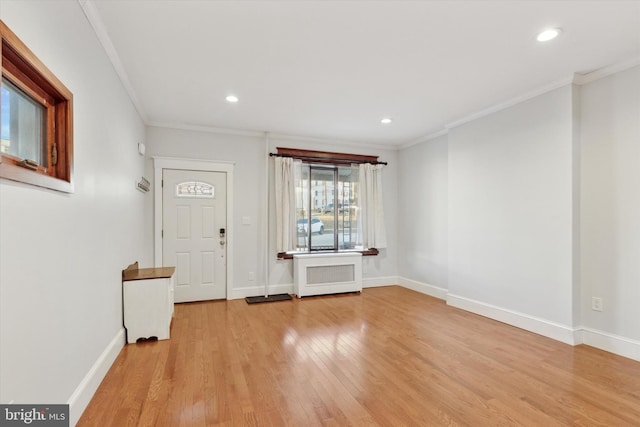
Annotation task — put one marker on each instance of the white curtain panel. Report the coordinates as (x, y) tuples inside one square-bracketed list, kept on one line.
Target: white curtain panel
[(285, 186), (371, 229)]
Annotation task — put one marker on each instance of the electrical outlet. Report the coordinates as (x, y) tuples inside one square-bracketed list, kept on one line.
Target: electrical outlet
[(252, 276), (596, 303)]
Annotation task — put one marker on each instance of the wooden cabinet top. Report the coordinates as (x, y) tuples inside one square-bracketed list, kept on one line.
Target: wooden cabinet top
[(134, 273)]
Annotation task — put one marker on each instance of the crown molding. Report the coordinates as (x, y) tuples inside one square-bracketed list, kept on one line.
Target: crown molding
[(490, 110), (95, 21), (584, 78), (511, 102), (425, 138), (206, 129), (272, 136), (577, 78)]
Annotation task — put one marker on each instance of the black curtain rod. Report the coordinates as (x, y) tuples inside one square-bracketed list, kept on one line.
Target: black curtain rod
[(320, 159)]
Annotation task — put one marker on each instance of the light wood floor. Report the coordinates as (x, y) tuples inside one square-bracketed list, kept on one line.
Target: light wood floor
[(386, 357)]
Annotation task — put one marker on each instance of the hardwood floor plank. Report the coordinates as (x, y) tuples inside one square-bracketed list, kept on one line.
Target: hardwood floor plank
[(386, 357)]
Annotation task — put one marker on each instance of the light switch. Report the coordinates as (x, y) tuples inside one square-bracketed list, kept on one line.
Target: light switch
[(246, 220)]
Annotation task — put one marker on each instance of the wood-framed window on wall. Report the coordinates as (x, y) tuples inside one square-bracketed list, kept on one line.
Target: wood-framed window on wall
[(36, 120), (327, 201)]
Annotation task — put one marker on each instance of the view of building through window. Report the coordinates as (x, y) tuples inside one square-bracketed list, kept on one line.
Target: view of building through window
[(326, 208), (23, 125)]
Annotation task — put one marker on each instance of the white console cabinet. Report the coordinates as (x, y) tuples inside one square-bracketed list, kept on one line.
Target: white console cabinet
[(147, 295)]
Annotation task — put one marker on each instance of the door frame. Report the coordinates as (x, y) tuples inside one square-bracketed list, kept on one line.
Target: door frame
[(161, 163)]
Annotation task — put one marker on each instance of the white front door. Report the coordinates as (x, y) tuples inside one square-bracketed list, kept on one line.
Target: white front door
[(194, 208)]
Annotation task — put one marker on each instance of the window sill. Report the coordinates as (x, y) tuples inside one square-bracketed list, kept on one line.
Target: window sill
[(368, 252), (26, 176)]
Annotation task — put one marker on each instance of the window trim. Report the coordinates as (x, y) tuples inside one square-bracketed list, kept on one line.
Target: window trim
[(366, 252), (23, 69), (334, 159), (337, 159)]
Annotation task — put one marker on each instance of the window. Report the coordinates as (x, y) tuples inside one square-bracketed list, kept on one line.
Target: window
[(23, 125), (333, 224), (36, 126), (195, 189), (327, 205)]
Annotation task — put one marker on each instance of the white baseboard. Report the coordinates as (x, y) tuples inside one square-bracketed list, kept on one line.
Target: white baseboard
[(375, 282), (423, 288), (619, 345), (534, 324), (254, 291), (612, 343), (89, 384)]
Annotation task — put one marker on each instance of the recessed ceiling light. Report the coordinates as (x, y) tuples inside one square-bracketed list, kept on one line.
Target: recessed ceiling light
[(548, 34), (385, 121), (232, 98)]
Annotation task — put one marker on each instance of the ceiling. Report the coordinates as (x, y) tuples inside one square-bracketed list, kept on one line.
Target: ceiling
[(334, 69)]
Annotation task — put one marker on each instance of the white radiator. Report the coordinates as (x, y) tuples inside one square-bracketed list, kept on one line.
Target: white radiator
[(327, 273)]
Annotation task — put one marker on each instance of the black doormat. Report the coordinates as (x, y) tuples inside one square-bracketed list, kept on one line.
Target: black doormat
[(270, 298)]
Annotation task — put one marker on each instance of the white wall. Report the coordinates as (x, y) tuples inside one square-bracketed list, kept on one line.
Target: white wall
[(610, 236), (510, 209), (249, 154), (422, 229), (543, 214), (62, 254)]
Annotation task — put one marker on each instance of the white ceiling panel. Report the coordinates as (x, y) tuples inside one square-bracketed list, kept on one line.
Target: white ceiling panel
[(333, 69)]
